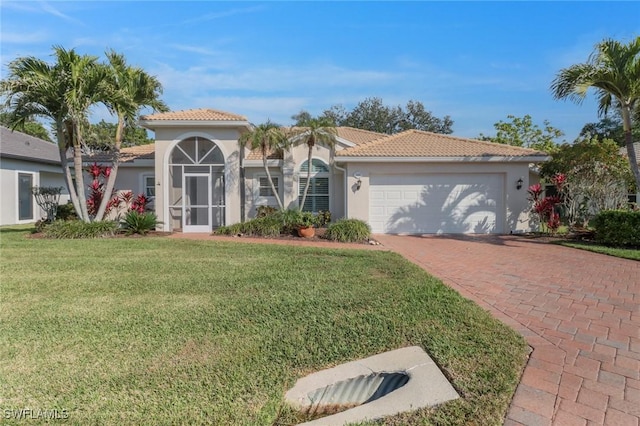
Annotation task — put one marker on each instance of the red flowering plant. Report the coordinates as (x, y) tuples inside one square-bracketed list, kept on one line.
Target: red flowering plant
[(96, 189), (545, 208)]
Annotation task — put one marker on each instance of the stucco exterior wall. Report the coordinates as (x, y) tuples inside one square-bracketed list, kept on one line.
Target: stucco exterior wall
[(516, 217), (43, 175)]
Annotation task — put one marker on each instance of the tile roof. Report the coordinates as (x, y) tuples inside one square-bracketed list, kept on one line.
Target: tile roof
[(127, 155), (14, 144), (417, 143), (356, 136), (201, 114)]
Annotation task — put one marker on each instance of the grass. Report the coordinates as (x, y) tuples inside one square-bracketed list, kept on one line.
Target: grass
[(164, 331), (625, 253)]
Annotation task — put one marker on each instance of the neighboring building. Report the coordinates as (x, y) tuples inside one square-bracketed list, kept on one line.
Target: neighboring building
[(25, 162), (411, 182)]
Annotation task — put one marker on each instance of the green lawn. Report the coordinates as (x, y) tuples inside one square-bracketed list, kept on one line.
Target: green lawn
[(163, 331), (625, 253)]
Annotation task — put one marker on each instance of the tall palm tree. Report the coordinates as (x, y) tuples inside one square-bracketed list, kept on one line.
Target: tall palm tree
[(267, 137), (62, 92), (613, 70), (312, 131), (128, 90)]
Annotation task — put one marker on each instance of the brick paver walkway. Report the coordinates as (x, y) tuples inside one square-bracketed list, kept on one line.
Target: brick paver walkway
[(579, 311)]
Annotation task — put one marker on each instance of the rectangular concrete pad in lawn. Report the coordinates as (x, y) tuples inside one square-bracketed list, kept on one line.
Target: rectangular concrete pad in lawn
[(426, 387)]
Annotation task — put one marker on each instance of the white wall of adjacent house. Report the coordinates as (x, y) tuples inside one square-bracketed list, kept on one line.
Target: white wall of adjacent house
[(17, 204), (435, 198)]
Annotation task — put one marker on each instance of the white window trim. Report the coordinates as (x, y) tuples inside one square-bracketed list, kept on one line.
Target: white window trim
[(260, 200), (143, 183), (35, 181), (302, 180)]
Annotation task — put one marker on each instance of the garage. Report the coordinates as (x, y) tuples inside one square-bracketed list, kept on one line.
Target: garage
[(471, 203)]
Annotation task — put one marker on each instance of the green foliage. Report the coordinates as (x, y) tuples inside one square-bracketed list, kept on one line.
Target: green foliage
[(66, 212), (29, 126), (371, 114), (263, 211), (101, 136), (73, 229), (323, 218), (271, 223), (618, 228), (524, 133), (597, 178), (610, 127), (135, 222), (348, 231)]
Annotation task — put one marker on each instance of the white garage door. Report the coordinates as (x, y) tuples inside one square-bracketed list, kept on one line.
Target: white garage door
[(436, 204)]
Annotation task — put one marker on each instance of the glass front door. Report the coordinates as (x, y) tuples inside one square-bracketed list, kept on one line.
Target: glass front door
[(196, 207)]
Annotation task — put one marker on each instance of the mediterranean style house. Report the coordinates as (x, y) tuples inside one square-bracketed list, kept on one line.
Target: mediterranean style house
[(412, 182)]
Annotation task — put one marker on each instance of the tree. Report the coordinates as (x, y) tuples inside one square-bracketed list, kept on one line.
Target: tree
[(371, 114), (267, 137), (311, 132), (613, 71), (130, 90), (522, 132), (64, 92), (100, 136), (597, 177), (610, 127), (29, 126)]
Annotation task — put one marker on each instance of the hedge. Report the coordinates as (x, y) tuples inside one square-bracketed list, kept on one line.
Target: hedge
[(618, 227)]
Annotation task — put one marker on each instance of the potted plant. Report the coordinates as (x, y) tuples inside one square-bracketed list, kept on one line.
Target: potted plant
[(305, 225)]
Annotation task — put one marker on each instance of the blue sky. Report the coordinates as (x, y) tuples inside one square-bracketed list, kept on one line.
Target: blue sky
[(474, 61)]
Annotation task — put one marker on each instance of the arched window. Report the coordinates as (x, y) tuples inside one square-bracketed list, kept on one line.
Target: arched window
[(318, 194)]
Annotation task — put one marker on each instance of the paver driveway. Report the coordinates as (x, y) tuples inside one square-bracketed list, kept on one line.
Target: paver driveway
[(579, 311)]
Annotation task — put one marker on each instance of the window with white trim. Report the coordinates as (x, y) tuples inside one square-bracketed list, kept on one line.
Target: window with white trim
[(149, 186), (318, 193), (264, 187)]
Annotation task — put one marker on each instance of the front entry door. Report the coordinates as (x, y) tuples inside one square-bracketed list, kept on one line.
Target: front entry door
[(196, 205)]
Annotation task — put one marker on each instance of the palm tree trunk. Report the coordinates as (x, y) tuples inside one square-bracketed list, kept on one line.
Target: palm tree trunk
[(306, 187), (77, 164), (111, 182), (68, 179), (273, 187), (628, 139)]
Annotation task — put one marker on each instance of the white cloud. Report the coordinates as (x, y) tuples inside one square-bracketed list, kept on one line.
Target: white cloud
[(223, 14), (21, 37)]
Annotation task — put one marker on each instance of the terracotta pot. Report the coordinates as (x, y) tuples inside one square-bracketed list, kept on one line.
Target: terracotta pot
[(308, 232)]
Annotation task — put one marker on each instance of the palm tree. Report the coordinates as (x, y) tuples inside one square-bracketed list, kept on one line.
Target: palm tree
[(62, 92), (313, 131), (128, 90), (613, 70), (267, 137)]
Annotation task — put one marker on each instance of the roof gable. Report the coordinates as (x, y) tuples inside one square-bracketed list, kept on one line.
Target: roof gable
[(19, 145)]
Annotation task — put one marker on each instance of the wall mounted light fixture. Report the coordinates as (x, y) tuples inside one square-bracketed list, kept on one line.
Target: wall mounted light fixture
[(358, 176), (519, 183)]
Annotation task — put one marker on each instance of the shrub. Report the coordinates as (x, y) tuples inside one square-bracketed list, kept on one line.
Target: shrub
[(66, 212), (323, 218), (267, 226), (80, 229), (263, 211), (618, 227), (135, 222), (348, 231)]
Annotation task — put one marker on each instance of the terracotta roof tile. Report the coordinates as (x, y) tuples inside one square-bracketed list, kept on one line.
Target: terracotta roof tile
[(416, 143), (358, 136), (201, 114), (127, 155)]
